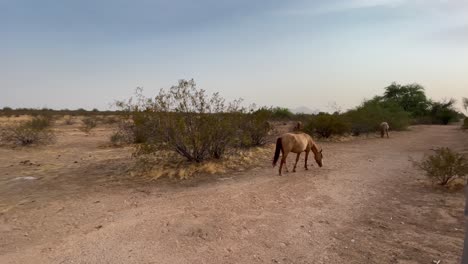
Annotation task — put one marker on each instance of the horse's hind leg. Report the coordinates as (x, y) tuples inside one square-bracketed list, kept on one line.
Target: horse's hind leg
[(306, 157), (283, 163), (387, 134), (297, 160)]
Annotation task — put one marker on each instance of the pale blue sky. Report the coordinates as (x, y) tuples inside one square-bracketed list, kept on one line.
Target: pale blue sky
[(70, 54)]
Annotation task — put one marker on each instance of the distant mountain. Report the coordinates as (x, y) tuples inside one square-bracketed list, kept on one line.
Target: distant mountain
[(303, 110)]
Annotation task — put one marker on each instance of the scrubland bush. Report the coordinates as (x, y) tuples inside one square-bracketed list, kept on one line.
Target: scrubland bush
[(88, 124), (444, 166), (326, 125), (281, 113), (34, 131), (254, 128), (186, 120), (367, 117), (69, 120)]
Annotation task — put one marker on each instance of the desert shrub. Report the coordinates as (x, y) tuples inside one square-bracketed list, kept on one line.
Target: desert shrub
[(88, 124), (281, 113), (125, 134), (185, 120), (443, 112), (444, 165), (35, 131), (39, 122), (110, 120), (254, 128), (69, 120), (326, 125), (367, 117)]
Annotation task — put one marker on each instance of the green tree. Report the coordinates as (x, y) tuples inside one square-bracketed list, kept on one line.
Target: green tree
[(412, 98), (443, 112)]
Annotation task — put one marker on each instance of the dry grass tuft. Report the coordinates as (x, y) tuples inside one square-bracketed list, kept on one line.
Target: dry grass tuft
[(172, 166)]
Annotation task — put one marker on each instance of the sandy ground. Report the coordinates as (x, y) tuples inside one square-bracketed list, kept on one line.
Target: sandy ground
[(366, 205)]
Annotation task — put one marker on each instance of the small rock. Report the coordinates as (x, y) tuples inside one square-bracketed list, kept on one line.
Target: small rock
[(28, 178), (75, 161), (98, 227), (352, 240)]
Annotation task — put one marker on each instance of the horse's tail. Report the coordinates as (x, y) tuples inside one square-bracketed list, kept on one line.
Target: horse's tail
[(279, 146)]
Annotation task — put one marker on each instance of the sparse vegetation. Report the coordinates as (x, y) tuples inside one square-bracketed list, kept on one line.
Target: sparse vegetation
[(325, 125), (34, 131), (281, 113), (69, 120), (88, 124), (184, 119), (444, 166), (254, 128)]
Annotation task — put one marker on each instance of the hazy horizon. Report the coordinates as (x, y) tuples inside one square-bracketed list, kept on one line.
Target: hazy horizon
[(86, 54)]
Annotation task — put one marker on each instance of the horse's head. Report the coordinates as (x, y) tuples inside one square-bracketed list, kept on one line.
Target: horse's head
[(319, 157)]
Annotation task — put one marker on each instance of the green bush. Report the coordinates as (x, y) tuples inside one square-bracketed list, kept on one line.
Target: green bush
[(444, 166), (326, 125), (367, 117), (281, 113), (254, 128), (465, 123), (443, 112)]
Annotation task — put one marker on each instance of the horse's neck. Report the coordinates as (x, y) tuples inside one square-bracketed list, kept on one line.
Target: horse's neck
[(313, 146)]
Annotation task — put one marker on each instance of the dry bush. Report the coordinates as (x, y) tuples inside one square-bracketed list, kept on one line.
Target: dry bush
[(187, 121), (465, 123), (110, 120), (444, 166), (125, 134), (88, 124), (167, 164), (34, 131), (69, 120)]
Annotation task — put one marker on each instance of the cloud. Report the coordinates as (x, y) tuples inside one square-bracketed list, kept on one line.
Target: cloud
[(336, 6), (457, 34)]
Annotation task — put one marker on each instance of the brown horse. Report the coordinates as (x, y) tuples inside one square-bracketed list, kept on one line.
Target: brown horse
[(296, 143), (384, 127)]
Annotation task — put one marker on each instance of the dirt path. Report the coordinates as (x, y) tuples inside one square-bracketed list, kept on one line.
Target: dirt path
[(366, 205)]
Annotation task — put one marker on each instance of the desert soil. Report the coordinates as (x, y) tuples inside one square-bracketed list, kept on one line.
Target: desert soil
[(75, 202)]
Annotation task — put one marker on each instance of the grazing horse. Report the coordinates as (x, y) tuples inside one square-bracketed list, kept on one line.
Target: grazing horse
[(296, 143), (384, 127)]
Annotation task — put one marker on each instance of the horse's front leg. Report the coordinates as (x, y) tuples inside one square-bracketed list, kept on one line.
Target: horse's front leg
[(306, 157), (297, 160)]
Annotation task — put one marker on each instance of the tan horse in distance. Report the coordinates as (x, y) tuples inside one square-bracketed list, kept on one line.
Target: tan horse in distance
[(384, 127), (296, 143)]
